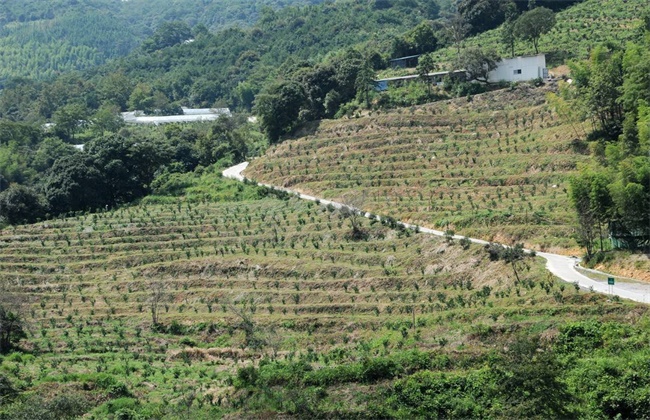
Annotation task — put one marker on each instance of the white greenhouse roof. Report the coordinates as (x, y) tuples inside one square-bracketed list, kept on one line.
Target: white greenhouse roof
[(189, 115)]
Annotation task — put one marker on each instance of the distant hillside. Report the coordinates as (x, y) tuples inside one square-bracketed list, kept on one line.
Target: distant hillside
[(228, 67), (496, 167), (41, 39)]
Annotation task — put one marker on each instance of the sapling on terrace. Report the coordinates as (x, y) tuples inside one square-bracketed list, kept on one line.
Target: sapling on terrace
[(156, 297)]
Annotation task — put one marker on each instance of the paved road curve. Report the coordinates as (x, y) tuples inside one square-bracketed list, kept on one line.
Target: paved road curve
[(561, 266)]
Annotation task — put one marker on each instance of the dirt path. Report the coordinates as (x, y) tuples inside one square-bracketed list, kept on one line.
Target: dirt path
[(561, 266)]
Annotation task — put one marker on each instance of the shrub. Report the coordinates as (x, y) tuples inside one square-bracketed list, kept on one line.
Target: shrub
[(186, 341), (7, 390), (495, 251), (578, 337), (118, 390), (378, 368), (432, 395)]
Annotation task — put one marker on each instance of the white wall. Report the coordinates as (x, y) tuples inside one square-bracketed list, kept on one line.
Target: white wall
[(507, 69)]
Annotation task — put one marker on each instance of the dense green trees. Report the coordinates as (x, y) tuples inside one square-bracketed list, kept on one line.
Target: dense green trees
[(482, 15), (167, 35), (278, 108), (41, 175), (21, 204), (507, 31), (224, 141), (420, 40), (521, 381), (425, 66), (528, 381), (42, 40), (74, 183), (612, 89), (305, 93), (231, 67), (11, 330)]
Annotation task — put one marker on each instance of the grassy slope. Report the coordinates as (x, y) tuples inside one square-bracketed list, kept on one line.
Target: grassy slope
[(313, 293), (496, 168)]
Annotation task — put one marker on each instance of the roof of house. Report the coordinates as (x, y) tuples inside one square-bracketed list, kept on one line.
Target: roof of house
[(415, 76), (404, 58)]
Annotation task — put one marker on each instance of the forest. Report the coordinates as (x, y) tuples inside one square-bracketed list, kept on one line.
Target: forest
[(44, 39), (613, 192)]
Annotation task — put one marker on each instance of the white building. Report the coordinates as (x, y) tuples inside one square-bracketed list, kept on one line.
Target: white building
[(189, 115), (516, 69), (519, 69)]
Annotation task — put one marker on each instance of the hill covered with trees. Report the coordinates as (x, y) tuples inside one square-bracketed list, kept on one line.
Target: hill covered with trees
[(43, 39)]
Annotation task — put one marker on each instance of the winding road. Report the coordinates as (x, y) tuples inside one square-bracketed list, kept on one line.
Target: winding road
[(561, 266)]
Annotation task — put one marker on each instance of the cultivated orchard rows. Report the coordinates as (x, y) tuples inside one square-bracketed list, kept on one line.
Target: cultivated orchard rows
[(288, 266), (496, 167), (283, 256)]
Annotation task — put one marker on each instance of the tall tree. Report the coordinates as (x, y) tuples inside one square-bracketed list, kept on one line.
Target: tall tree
[(69, 119), (278, 108), (508, 35), (11, 329), (74, 183), (601, 202), (631, 195), (167, 35), (514, 256), (12, 321), (106, 119), (115, 88), (366, 82), (531, 25), (426, 65), (157, 296), (581, 198), (602, 93), (478, 63), (456, 30), (422, 38)]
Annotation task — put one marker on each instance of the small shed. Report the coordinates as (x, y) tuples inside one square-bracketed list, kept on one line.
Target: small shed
[(404, 62), (621, 238), (519, 69)]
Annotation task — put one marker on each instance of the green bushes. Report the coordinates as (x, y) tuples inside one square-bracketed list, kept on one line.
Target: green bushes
[(579, 337), (61, 407), (612, 387), (432, 395), (7, 390), (369, 370)]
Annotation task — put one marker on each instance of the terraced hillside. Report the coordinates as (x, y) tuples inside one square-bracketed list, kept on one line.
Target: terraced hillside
[(494, 166), (289, 266), (269, 285), (579, 29)]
